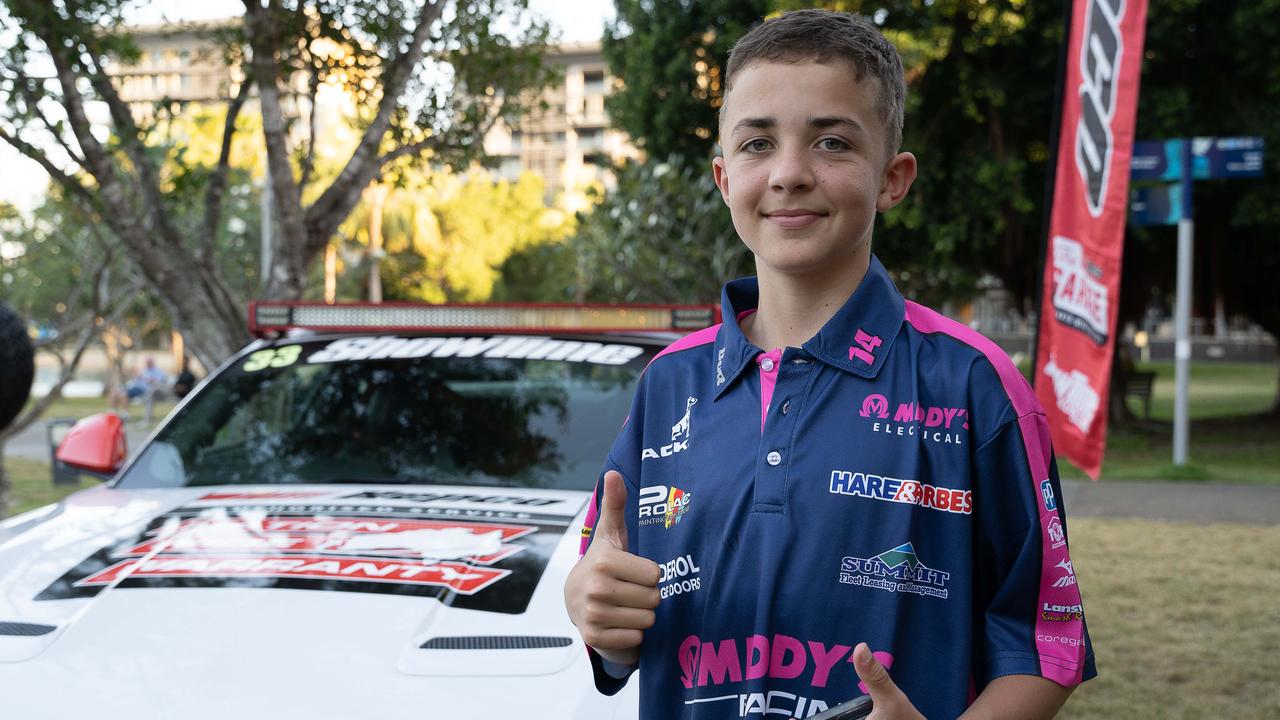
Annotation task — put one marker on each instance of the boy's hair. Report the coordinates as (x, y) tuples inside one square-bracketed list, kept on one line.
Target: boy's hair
[(820, 36)]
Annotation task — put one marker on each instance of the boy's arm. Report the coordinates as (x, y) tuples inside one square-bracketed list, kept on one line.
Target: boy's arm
[(1019, 696)]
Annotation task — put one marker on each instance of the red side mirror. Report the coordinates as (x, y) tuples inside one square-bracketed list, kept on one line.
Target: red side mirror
[(96, 444)]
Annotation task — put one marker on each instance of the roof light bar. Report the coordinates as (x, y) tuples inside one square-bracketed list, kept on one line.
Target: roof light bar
[(268, 317)]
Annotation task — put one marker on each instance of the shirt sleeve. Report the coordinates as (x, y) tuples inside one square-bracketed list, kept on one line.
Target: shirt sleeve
[(611, 677), (1030, 619)]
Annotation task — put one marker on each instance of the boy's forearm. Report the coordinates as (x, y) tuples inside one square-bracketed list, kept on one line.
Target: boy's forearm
[(1018, 696)]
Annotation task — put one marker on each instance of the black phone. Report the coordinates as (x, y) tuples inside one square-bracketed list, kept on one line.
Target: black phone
[(855, 709)]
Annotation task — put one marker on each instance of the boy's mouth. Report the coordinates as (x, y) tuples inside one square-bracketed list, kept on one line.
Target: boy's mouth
[(792, 218)]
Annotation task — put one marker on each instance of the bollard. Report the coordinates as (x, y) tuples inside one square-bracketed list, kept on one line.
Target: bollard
[(55, 430)]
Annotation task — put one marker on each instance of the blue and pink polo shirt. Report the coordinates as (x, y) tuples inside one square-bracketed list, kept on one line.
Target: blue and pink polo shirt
[(891, 481)]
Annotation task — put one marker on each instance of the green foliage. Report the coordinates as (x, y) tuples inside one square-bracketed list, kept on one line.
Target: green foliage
[(670, 55), (446, 237), (663, 235)]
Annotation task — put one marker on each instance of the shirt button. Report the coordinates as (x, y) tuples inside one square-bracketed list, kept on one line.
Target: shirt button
[(786, 407), (774, 458), (767, 364)]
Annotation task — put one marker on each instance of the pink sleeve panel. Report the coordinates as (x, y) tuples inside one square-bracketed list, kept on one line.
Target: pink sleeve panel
[(1060, 641)]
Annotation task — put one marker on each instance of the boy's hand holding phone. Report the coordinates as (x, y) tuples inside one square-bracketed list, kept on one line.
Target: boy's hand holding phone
[(611, 594)]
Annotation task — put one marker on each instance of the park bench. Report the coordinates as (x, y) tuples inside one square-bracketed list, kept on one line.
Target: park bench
[(1139, 384)]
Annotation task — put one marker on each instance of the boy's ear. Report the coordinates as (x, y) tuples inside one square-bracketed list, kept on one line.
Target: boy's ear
[(898, 176), (721, 175)]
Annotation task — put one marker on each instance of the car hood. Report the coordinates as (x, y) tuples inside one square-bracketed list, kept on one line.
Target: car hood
[(314, 601)]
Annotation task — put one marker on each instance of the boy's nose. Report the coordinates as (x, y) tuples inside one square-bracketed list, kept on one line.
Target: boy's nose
[(791, 171)]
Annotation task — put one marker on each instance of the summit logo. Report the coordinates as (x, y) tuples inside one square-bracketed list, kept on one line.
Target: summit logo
[(895, 570)]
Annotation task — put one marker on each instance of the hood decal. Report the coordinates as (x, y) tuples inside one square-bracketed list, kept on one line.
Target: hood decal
[(476, 558)]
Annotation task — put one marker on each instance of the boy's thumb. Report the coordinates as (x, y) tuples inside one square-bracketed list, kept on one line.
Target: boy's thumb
[(612, 524), (875, 678)]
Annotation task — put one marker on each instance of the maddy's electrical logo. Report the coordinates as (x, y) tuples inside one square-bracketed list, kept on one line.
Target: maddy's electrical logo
[(911, 419)]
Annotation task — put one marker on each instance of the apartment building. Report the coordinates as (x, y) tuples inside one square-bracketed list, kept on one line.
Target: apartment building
[(568, 143), (181, 62)]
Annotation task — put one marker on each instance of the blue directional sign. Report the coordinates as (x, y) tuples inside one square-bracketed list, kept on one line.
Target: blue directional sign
[(1239, 157), (1156, 205), (1156, 160), (1211, 158)]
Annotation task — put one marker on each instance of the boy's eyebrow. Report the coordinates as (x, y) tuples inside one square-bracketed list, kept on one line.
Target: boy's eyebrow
[(760, 123), (821, 123), (826, 122)]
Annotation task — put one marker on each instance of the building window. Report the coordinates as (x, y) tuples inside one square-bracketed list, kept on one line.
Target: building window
[(517, 141), (590, 139), (593, 82)]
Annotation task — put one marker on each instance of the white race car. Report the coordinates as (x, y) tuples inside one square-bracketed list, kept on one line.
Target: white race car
[(369, 512)]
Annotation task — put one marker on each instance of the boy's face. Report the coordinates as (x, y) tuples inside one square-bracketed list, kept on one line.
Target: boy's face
[(806, 167)]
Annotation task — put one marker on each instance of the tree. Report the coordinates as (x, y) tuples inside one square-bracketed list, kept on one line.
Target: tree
[(445, 236), (70, 282), (429, 78), (663, 235), (670, 56)]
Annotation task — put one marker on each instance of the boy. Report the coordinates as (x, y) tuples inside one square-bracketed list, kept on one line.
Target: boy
[(832, 469)]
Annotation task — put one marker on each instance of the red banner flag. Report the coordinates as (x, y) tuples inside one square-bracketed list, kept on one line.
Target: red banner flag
[(1086, 229)]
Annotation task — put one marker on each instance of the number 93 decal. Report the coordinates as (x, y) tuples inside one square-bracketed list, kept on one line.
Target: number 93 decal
[(272, 358)]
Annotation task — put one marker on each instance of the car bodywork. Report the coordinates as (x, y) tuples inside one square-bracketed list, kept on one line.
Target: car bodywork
[(286, 584)]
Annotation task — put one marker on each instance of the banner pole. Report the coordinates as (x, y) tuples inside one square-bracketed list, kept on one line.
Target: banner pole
[(1051, 174)]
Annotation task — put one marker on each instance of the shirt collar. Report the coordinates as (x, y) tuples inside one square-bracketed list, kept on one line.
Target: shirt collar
[(856, 339)]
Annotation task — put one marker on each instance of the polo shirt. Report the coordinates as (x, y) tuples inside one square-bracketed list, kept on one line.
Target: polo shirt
[(890, 482)]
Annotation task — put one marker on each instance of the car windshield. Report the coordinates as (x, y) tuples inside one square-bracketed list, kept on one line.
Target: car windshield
[(415, 412)]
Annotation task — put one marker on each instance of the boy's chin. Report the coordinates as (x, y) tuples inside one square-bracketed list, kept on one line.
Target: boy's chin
[(809, 262)]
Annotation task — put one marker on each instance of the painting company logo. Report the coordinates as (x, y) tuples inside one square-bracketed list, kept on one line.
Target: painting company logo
[(1076, 398), (1080, 299), (896, 570), (679, 436), (663, 505), (944, 425), (1069, 578)]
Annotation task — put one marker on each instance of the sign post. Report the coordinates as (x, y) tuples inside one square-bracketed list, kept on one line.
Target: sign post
[(1183, 161), (1182, 315)]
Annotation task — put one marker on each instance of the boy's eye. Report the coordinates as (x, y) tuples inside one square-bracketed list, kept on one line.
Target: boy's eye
[(757, 145), (833, 144)]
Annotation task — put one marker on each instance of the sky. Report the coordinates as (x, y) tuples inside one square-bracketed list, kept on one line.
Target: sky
[(23, 182)]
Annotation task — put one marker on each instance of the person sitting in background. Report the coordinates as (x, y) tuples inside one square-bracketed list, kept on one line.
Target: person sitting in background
[(147, 381)]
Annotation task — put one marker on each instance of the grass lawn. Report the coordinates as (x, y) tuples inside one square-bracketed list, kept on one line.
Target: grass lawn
[(1234, 437), (1183, 618), (32, 486), (84, 407)]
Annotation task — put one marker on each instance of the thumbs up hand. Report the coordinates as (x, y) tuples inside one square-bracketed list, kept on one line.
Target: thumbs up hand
[(611, 594), (890, 702)]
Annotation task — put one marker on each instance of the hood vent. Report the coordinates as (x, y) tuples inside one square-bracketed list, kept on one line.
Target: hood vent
[(21, 629), (495, 642)]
